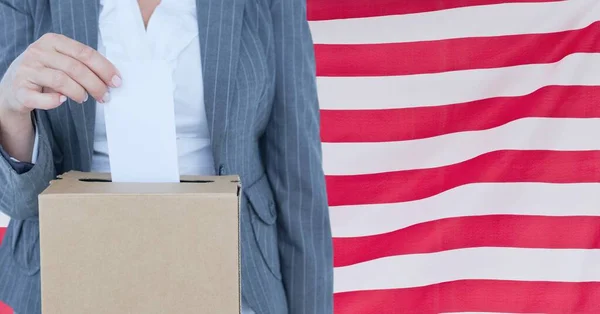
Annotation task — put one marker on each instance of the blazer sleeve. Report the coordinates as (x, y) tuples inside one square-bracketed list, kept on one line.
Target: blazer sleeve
[(21, 182), (294, 165)]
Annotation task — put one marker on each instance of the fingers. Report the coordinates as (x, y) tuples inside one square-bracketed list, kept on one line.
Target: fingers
[(32, 99), (60, 82), (55, 67), (91, 58), (77, 71)]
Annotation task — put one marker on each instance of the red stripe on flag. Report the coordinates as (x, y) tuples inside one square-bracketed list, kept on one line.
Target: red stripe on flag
[(424, 122), (483, 231), (498, 166), (4, 309), (476, 296), (343, 9), (453, 54)]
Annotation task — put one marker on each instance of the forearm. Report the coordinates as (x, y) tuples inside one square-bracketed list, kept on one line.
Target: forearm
[(17, 134), (308, 271), (295, 167), (22, 183), (16, 127), (304, 232)]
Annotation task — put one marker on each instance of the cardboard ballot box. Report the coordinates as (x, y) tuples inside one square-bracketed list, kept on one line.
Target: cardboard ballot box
[(140, 247)]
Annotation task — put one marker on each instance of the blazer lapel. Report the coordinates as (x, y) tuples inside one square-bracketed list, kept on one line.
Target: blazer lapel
[(78, 19), (220, 26)]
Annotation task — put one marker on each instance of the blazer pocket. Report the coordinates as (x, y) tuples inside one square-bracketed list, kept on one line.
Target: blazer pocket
[(263, 216)]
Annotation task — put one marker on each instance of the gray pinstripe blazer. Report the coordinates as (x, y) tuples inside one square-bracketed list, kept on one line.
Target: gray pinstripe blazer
[(262, 108)]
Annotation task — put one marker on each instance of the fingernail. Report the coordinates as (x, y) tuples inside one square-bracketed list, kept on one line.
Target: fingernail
[(63, 99), (86, 97), (106, 97), (116, 81)]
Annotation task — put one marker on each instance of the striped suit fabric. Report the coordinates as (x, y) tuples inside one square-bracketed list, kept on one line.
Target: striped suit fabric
[(263, 114)]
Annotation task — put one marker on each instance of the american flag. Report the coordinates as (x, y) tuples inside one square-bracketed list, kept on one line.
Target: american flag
[(461, 144), (3, 224)]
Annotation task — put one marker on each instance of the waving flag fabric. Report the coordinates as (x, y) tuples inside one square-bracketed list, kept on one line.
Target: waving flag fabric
[(462, 150), (461, 144), (3, 223)]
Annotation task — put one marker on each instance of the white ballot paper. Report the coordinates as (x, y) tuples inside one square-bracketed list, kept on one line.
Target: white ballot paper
[(140, 124)]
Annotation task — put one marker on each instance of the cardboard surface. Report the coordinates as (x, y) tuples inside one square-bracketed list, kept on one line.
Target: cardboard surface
[(140, 248)]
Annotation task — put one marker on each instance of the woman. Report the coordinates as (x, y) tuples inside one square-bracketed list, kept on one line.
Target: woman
[(245, 101)]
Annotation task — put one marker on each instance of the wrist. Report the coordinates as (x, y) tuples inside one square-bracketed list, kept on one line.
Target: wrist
[(12, 123), (17, 135), (15, 127), (11, 119)]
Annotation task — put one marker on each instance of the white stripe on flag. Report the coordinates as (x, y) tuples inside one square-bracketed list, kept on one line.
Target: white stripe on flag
[(526, 134), (409, 91), (567, 265), (3, 220), (542, 199), (475, 21)]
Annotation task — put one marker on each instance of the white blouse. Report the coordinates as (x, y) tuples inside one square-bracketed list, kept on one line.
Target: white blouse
[(171, 35)]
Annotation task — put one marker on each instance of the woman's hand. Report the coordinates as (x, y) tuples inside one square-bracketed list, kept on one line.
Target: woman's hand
[(42, 77), (53, 68)]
